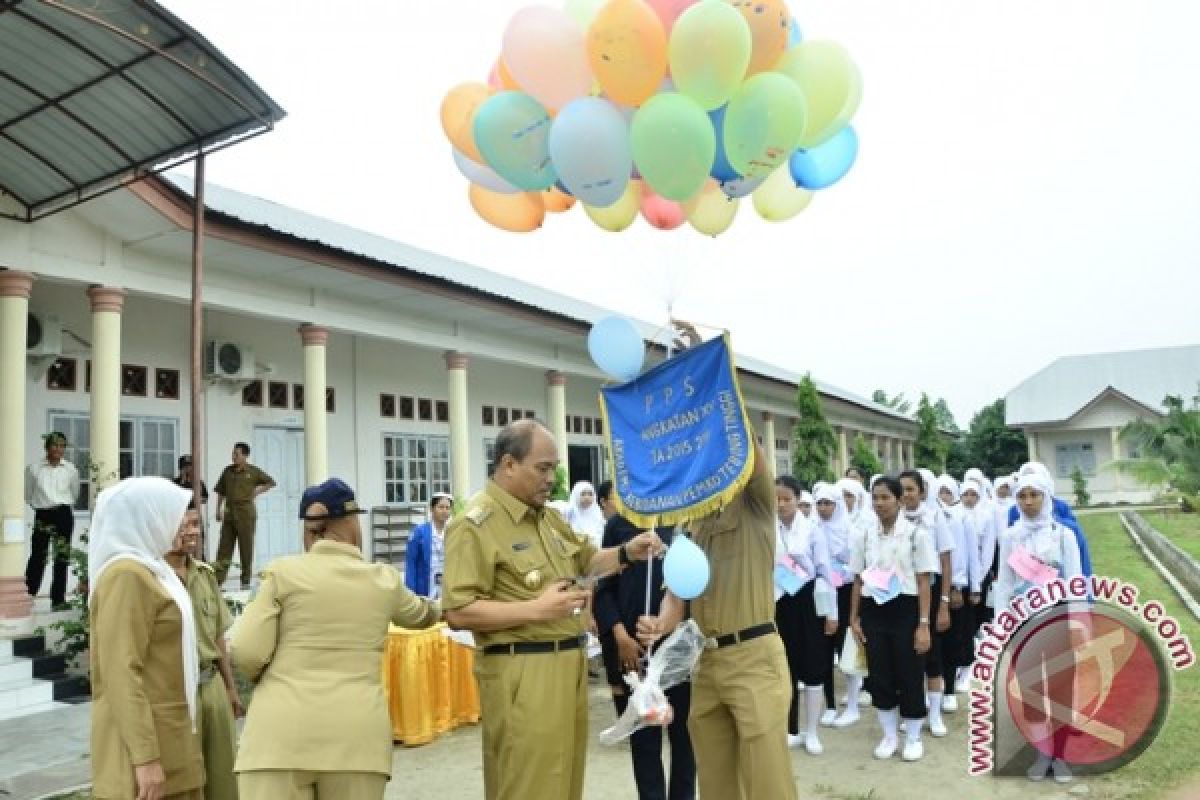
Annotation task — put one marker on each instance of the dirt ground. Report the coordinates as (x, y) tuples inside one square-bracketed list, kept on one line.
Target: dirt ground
[(450, 768)]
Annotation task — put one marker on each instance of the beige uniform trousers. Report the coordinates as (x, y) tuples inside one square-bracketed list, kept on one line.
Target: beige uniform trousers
[(286, 784), (217, 740), (738, 722)]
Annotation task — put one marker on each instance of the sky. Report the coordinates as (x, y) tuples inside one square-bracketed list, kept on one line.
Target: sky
[(1028, 184)]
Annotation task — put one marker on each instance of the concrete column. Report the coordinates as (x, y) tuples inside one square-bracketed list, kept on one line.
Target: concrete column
[(107, 304), (897, 459), (556, 415), (910, 457), (460, 443), (843, 454), (1031, 439), (316, 440), (768, 434), (16, 606), (1115, 438)]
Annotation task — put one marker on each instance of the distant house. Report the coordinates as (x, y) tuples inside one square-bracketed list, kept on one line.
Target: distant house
[(1073, 410)]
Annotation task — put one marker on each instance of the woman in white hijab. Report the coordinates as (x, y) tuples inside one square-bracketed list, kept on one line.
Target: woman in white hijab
[(965, 579), (144, 658), (858, 503), (584, 514), (834, 525)]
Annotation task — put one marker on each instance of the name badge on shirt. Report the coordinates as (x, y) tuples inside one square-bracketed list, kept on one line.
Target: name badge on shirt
[(519, 547)]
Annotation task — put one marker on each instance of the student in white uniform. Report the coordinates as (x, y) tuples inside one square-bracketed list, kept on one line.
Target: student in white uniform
[(889, 616), (858, 503), (958, 645), (920, 507), (584, 514), (807, 506), (980, 515), (1036, 540), (839, 534), (801, 571)]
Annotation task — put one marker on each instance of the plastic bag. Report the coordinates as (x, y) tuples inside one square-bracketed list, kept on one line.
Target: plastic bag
[(825, 599), (670, 665), (853, 660)]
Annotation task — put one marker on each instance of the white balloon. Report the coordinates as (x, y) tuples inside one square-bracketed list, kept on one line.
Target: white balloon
[(482, 175)]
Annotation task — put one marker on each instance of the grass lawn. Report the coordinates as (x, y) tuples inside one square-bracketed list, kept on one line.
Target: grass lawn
[(1182, 529), (1174, 759)]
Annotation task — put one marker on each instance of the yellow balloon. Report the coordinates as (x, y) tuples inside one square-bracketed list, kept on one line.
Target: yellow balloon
[(627, 51), (711, 212), (458, 117), (779, 198), (621, 214), (520, 212), (557, 201), (831, 83)]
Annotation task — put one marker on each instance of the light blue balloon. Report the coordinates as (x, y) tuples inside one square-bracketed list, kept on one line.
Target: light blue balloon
[(827, 163), (794, 35), (589, 147), (741, 187), (617, 348), (512, 131), (685, 569)]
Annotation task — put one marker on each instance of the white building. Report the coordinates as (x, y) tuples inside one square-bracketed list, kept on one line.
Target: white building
[(1073, 410), (418, 359)]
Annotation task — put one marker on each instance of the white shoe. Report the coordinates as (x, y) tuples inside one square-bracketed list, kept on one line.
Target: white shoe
[(949, 704), (1062, 773), (1039, 769), (846, 719), (828, 718), (886, 748), (799, 684), (864, 697), (913, 750), (937, 728), (795, 741), (963, 684), (813, 745)]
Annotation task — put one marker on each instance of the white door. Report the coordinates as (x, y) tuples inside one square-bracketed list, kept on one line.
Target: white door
[(280, 453)]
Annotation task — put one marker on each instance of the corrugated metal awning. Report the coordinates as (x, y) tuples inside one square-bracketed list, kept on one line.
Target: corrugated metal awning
[(97, 93)]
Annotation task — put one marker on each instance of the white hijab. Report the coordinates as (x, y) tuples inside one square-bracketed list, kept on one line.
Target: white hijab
[(1045, 518), (862, 513), (839, 523), (806, 497), (588, 520), (976, 474), (136, 520)]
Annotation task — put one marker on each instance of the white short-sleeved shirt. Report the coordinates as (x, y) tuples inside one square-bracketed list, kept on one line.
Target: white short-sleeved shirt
[(908, 549)]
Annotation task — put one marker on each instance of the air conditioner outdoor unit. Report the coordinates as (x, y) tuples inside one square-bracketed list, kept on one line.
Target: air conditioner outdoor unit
[(228, 361), (43, 334)]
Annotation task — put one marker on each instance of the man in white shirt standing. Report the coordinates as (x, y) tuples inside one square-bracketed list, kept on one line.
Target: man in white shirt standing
[(51, 488)]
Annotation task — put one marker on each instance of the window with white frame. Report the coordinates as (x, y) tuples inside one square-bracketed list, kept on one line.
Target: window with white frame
[(148, 446), (1070, 455), (414, 467)]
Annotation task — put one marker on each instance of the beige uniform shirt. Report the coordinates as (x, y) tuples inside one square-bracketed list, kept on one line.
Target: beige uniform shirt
[(739, 541), (501, 549), (212, 615), (237, 485)]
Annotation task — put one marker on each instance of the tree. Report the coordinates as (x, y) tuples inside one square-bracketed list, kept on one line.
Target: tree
[(1167, 451), (864, 459), (930, 448), (813, 439), (993, 446), (897, 403), (1079, 485), (945, 417)]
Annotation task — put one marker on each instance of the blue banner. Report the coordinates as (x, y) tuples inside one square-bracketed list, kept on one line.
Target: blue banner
[(679, 440)]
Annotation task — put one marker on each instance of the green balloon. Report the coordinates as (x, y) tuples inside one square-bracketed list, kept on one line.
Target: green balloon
[(709, 52), (673, 145), (764, 124)]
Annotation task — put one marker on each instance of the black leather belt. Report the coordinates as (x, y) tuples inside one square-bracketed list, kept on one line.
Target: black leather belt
[(526, 648), (744, 635)]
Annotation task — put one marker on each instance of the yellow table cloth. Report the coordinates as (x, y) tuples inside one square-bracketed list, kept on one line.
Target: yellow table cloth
[(429, 683)]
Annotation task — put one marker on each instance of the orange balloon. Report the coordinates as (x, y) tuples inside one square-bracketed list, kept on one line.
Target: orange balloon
[(770, 26), (627, 51), (458, 117), (520, 212), (506, 78), (557, 201)]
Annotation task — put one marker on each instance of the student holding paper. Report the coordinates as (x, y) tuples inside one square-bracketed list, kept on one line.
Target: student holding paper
[(836, 528), (889, 617)]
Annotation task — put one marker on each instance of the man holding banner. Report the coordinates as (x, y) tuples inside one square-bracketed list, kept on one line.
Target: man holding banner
[(683, 449)]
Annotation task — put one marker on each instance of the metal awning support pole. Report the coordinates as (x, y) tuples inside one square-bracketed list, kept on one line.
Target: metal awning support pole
[(197, 378)]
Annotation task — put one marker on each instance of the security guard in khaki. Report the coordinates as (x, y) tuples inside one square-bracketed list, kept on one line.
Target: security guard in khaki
[(740, 688), (509, 566), (240, 483)]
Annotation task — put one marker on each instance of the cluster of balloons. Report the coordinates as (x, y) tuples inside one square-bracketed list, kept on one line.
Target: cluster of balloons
[(674, 109)]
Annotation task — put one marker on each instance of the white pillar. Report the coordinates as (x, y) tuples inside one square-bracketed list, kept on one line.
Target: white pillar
[(768, 435), (1031, 439), (16, 606), (316, 440), (460, 443), (896, 459), (107, 304), (1115, 437), (556, 415), (843, 454)]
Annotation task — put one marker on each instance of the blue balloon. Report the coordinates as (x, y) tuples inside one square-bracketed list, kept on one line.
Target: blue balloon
[(827, 163), (721, 171), (741, 187), (512, 131), (589, 147), (794, 35), (685, 569), (617, 348)]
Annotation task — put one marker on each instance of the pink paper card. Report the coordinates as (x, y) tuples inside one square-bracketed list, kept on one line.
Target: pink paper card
[(1030, 568), (789, 563), (877, 577)]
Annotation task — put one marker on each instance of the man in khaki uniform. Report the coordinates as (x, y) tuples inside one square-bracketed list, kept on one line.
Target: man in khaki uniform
[(312, 639), (510, 568), (217, 701), (238, 487)]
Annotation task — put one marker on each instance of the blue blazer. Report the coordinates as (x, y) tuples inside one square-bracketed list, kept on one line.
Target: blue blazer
[(1063, 515), (417, 559)]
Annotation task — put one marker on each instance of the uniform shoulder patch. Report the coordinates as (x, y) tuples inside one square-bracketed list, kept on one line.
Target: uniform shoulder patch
[(479, 514), (204, 565)]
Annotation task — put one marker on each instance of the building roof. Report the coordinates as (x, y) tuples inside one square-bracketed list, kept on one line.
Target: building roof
[(1062, 389), (95, 95), (281, 219)]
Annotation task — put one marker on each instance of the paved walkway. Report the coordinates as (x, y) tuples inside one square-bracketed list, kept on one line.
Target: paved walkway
[(45, 753)]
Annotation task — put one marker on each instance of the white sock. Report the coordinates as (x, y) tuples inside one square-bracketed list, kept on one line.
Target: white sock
[(889, 721), (912, 728), (853, 687), (814, 704), (934, 702)]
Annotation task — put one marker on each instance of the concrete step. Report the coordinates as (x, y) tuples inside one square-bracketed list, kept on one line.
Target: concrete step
[(69, 688), (25, 711), (16, 673), (29, 646), (33, 694), (48, 664), (6, 651)]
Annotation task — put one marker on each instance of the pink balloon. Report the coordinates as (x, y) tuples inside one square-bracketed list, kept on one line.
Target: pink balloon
[(545, 52), (669, 10), (664, 214), (493, 80)]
